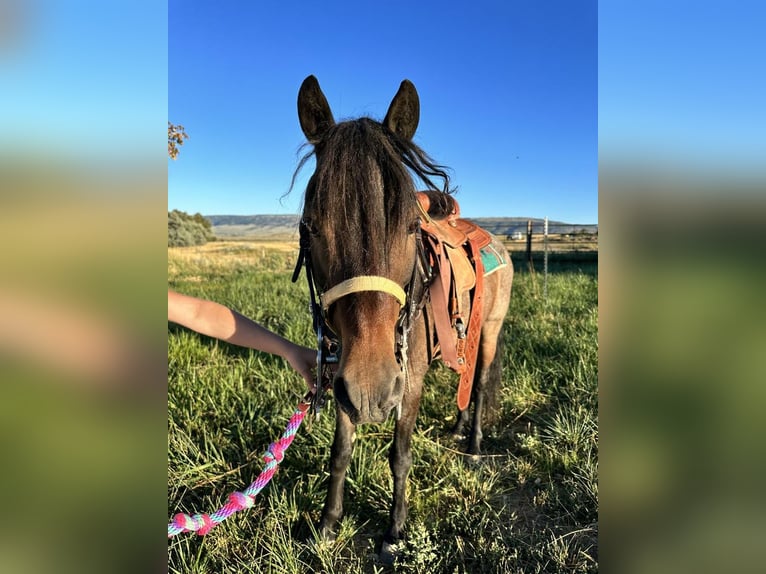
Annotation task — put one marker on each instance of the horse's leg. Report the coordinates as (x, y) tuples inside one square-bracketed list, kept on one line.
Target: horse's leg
[(342, 447), (474, 440), (486, 384), (400, 461), (458, 431)]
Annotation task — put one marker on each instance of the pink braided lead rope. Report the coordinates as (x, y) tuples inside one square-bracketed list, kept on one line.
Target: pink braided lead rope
[(203, 523)]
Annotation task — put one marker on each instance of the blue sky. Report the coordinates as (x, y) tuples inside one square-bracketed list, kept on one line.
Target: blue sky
[(683, 84), (84, 80), (680, 82), (508, 95)]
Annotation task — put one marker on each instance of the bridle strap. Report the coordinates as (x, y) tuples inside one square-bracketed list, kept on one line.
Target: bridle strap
[(363, 283)]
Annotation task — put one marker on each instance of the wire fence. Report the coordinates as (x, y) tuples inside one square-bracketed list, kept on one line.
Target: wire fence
[(538, 244)]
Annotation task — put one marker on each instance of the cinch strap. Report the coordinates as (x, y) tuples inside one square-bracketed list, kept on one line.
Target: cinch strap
[(362, 283)]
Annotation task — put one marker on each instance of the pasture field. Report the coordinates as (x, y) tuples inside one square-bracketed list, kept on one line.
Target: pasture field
[(529, 504)]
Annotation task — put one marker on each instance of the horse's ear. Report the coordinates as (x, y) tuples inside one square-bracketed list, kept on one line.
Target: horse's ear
[(313, 110), (404, 112)]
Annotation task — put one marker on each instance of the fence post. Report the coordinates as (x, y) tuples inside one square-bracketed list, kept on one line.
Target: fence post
[(529, 243), (545, 260)]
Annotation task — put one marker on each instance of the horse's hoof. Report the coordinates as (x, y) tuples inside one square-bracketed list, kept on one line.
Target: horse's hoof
[(472, 459), (474, 449), (326, 534), (389, 553)]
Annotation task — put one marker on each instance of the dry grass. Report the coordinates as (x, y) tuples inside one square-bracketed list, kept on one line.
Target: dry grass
[(227, 256)]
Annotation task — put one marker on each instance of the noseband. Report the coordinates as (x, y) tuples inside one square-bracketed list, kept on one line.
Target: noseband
[(362, 283)]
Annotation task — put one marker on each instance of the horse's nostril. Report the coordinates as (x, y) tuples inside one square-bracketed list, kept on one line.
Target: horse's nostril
[(341, 392)]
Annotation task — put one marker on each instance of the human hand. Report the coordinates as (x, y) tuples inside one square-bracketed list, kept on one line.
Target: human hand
[(304, 361)]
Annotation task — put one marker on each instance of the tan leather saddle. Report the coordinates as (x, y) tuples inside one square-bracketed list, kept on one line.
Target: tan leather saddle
[(454, 250)]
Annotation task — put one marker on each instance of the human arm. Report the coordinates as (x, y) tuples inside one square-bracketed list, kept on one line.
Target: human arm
[(216, 320)]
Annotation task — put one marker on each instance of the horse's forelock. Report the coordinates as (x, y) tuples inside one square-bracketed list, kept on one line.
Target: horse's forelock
[(361, 194)]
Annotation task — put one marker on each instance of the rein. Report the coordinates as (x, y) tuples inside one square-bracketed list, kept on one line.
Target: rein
[(204, 523)]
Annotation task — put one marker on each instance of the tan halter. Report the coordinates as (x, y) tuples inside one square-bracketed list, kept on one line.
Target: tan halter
[(362, 283)]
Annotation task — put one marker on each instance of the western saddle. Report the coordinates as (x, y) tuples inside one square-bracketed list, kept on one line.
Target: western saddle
[(453, 245)]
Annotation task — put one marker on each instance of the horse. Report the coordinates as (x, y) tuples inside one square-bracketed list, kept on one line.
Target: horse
[(361, 235)]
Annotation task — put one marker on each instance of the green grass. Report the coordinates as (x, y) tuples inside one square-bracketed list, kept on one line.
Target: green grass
[(530, 504)]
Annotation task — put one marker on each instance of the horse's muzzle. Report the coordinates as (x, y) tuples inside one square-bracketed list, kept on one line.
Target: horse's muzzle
[(367, 406)]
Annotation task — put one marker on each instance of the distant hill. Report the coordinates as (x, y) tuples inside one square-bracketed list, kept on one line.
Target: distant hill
[(260, 226), (286, 226)]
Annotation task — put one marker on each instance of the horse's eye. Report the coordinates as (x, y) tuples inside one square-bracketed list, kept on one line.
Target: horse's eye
[(309, 225), (412, 227)]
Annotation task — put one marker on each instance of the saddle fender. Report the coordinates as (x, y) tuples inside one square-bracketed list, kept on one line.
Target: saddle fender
[(454, 246)]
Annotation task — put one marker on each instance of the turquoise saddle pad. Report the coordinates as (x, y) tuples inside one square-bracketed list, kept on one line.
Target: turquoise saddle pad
[(491, 259)]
